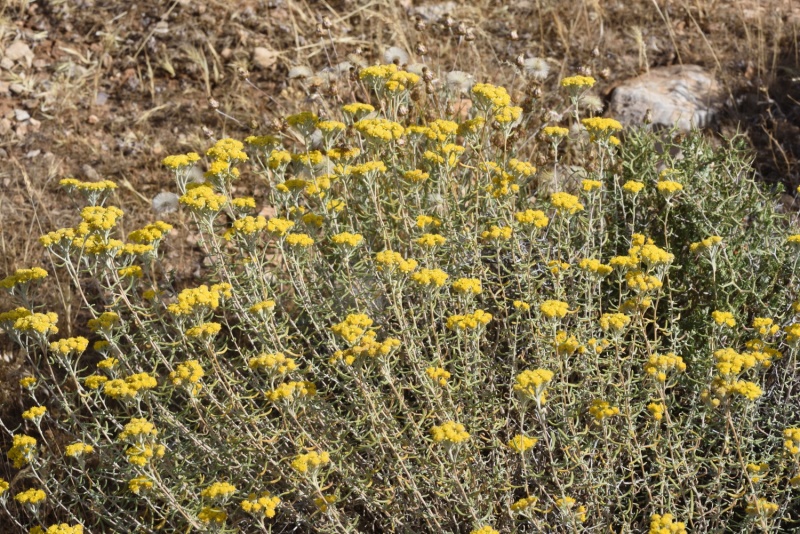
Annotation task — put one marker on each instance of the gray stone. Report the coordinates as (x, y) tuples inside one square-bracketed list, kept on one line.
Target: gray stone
[(685, 96), (21, 115), (19, 50)]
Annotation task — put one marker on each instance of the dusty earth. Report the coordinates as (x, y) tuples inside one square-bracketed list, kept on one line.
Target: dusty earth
[(104, 89)]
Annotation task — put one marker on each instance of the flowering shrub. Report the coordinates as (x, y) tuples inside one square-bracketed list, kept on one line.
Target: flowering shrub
[(423, 338)]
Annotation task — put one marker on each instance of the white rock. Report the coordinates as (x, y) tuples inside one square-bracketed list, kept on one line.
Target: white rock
[(686, 96), (264, 57), (19, 50), (21, 115)]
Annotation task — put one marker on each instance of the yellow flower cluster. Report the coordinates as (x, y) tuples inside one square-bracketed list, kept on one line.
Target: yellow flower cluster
[(310, 461), (601, 409), (523, 504), (35, 413), (706, 244), (22, 451), (130, 386), (139, 485), (347, 239), (521, 305), (28, 381), (664, 524), (565, 202), (566, 344), (210, 514), (487, 95), (757, 471), (262, 306), (134, 271), (276, 362), (205, 330), (218, 490), (427, 220), (309, 159), (228, 150), (723, 318), (554, 309), (263, 504), (521, 443), (577, 82), (379, 130), (57, 237), (71, 184), (537, 218), (391, 260), (657, 410), (199, 299), (723, 387), (246, 226), (791, 443), (357, 108), (600, 126), (641, 282), (76, 450), (180, 161), (367, 345), (23, 276), (669, 188), (594, 266), (323, 503), (556, 132), (486, 529), (761, 507), (659, 364), (290, 390), (467, 286), (299, 240), (60, 528), (99, 218), (449, 432), (731, 363), (416, 176), (469, 321), (426, 277), (531, 384), (765, 326), (40, 323), (497, 233), (138, 428), (76, 345), (278, 159), (141, 454), (203, 199), (30, 496), (279, 226), (103, 322), (438, 374), (591, 185), (353, 327), (262, 141), (566, 505), (188, 372), (244, 203)]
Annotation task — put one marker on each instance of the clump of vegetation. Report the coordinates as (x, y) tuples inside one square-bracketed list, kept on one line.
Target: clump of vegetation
[(427, 335)]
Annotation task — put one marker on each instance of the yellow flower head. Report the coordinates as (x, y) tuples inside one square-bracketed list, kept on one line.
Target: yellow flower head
[(565, 202), (521, 443), (449, 432), (554, 309)]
